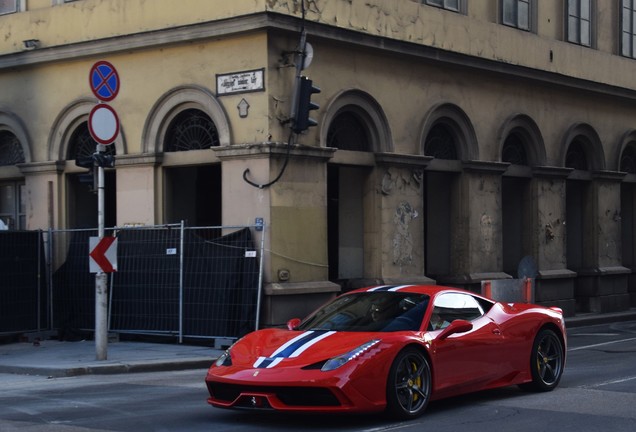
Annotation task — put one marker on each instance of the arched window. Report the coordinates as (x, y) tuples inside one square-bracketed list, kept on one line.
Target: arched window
[(10, 149), (82, 145), (628, 159), (348, 132), (514, 150), (576, 157), (191, 129), (440, 143)]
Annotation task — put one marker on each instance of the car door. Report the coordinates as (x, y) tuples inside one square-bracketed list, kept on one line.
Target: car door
[(468, 361)]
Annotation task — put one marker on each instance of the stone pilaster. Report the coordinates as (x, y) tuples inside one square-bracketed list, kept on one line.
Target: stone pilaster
[(555, 283), (398, 181), (477, 225), (602, 285)]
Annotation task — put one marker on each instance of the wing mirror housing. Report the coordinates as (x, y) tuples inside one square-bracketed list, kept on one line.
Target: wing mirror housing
[(457, 326), (293, 323)]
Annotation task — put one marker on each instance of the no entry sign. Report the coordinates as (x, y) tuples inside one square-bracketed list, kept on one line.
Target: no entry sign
[(103, 124)]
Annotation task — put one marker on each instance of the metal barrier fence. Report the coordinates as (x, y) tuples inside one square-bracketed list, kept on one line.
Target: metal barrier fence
[(202, 282), (23, 294)]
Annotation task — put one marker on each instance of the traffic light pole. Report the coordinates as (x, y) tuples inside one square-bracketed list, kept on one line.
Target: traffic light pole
[(101, 278)]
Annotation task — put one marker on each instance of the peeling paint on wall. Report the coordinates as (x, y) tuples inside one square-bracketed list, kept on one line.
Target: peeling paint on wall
[(402, 239), (397, 180), (487, 232)]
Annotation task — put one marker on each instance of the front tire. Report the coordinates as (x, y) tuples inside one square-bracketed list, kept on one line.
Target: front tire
[(409, 384), (546, 362)]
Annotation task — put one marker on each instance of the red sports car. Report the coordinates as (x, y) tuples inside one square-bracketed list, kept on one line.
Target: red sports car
[(392, 348)]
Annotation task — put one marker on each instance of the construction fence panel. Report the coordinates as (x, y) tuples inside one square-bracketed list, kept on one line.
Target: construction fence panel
[(190, 282), (23, 288)]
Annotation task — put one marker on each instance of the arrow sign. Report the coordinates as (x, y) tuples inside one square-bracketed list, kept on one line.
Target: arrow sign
[(103, 254)]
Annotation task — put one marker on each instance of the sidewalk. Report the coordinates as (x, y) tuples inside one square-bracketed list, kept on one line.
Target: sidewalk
[(54, 358)]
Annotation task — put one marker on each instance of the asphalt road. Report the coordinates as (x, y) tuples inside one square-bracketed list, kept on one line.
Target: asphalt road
[(597, 392)]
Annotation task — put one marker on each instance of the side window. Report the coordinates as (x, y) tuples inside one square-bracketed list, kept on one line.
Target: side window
[(517, 13), (453, 5), (579, 22), (451, 306), (8, 6), (628, 30)]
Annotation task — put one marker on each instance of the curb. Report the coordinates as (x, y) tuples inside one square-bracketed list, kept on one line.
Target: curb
[(109, 369), (594, 319)]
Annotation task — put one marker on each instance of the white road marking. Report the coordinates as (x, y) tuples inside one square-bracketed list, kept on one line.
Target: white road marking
[(601, 344)]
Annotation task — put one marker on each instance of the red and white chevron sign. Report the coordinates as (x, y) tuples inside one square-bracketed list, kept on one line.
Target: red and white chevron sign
[(103, 254)]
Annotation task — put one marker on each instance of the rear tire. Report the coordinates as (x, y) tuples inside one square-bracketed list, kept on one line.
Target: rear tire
[(408, 388), (546, 362)]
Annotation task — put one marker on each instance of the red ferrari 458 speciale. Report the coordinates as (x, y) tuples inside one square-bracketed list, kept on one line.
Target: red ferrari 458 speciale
[(392, 348)]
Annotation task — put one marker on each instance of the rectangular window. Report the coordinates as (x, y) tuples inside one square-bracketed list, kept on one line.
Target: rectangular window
[(516, 13), (580, 22), (12, 206), (444, 4), (8, 6), (628, 19)]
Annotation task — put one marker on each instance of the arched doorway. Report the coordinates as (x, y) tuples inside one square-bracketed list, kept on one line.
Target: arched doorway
[(583, 154), (192, 193), (439, 190), (345, 198), (522, 147)]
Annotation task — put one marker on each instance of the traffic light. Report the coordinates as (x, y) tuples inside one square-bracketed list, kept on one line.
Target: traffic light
[(302, 121), (104, 160)]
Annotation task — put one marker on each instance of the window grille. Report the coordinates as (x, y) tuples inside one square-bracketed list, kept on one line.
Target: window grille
[(191, 130), (628, 160), (576, 157), (440, 143), (82, 145), (514, 151), (10, 149), (348, 132)]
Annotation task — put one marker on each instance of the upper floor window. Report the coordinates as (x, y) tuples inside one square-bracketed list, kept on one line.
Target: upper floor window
[(444, 4), (580, 22), (628, 21), (9, 6), (516, 13)]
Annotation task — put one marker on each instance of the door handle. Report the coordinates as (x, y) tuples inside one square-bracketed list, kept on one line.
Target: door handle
[(496, 332)]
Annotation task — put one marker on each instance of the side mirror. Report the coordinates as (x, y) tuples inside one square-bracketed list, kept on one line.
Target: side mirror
[(293, 323), (457, 326)]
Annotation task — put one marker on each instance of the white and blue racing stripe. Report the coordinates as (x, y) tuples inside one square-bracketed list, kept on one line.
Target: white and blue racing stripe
[(292, 348), (389, 288)]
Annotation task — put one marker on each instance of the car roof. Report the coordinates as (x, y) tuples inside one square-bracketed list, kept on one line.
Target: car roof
[(431, 290)]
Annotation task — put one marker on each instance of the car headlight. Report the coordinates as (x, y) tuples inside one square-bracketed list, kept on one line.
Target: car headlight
[(336, 362), (224, 359)]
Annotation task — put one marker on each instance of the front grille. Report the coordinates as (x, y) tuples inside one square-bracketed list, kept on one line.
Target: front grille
[(292, 396)]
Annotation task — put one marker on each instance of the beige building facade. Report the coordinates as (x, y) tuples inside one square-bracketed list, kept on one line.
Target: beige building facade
[(454, 138)]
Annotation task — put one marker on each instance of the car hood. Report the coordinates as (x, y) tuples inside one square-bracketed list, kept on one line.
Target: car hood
[(270, 347)]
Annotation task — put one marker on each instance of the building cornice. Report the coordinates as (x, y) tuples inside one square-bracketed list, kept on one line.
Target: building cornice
[(268, 21), (270, 149)]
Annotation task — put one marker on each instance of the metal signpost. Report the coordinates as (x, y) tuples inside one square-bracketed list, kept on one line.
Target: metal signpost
[(103, 125)]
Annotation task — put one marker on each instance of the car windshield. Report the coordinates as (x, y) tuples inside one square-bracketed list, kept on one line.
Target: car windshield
[(378, 311)]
